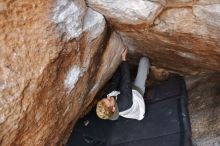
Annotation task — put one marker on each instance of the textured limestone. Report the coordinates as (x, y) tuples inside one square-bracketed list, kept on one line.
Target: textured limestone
[(47, 67), (204, 109), (185, 32), (128, 12)]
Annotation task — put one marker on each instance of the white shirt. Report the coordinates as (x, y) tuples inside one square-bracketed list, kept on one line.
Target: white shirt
[(137, 110)]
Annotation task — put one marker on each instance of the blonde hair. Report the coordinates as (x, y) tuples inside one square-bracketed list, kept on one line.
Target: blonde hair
[(103, 111)]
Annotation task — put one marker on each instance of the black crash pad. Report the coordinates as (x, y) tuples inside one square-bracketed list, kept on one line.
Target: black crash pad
[(166, 122)]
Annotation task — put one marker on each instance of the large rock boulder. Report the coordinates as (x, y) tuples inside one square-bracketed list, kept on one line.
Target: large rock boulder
[(182, 36), (55, 56)]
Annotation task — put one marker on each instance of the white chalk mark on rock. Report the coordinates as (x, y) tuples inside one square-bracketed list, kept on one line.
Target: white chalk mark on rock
[(187, 55), (72, 77), (68, 15), (94, 22)]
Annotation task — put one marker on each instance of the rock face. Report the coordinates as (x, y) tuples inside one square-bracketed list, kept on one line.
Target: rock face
[(56, 55), (185, 32), (50, 56), (204, 109)]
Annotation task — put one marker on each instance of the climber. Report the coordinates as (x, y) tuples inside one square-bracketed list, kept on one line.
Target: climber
[(124, 98)]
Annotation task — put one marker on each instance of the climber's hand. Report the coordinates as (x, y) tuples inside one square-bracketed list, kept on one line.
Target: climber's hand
[(124, 54)]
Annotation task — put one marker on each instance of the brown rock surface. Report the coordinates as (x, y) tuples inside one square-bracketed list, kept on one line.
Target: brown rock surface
[(56, 55), (49, 52), (109, 63), (185, 32)]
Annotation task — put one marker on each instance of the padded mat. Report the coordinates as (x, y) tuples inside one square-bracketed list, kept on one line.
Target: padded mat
[(156, 123), (166, 122), (168, 89), (167, 140)]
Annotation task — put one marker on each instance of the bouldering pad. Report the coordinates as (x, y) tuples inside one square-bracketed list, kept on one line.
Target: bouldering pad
[(166, 122)]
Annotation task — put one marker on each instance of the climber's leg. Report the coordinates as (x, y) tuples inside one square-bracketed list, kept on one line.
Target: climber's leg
[(143, 70)]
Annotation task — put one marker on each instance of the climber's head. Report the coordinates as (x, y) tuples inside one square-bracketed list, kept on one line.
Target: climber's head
[(107, 108)]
